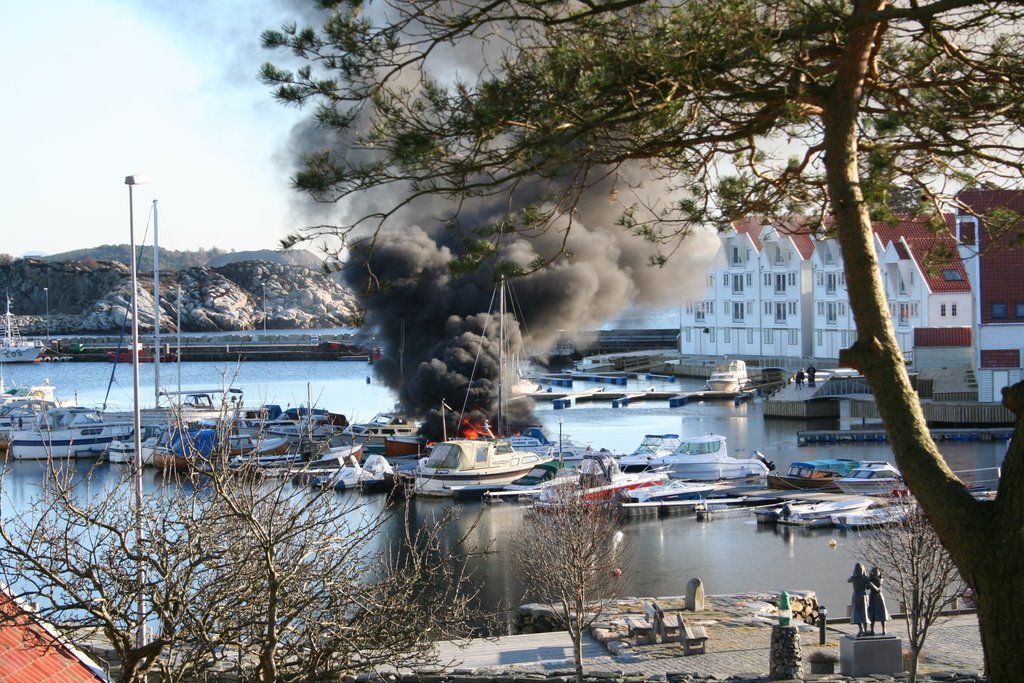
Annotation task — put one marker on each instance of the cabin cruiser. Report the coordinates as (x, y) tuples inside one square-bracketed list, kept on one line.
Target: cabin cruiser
[(874, 478), (374, 432), (814, 513), (534, 439), (600, 478), (705, 458), (731, 376), (73, 432), (468, 466), (652, 447), (818, 474)]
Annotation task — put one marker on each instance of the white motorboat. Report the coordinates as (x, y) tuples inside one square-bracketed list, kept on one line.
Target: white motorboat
[(471, 466), (873, 478), (731, 376), (873, 517), (122, 451), (652, 447), (814, 513), (19, 415), (600, 478), (376, 431), (13, 347), (706, 458), (374, 474), (534, 439), (73, 432), (673, 490)]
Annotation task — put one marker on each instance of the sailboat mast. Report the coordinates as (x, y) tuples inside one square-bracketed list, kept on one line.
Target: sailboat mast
[(156, 307), (501, 357)]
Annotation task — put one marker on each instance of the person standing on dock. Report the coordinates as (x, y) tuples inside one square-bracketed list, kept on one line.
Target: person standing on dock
[(800, 379), (810, 375)]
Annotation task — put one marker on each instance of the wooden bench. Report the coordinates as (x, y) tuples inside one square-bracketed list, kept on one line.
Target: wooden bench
[(640, 629), (693, 638)]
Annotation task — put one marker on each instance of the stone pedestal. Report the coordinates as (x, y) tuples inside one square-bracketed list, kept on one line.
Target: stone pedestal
[(786, 661), (694, 595), (870, 655)]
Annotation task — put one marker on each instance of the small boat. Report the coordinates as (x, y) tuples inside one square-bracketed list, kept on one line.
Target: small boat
[(192, 450), (874, 517), (813, 514), (304, 427), (706, 458), (471, 467), (122, 451), (873, 478), (599, 478), (405, 446), (145, 356), (730, 377), (542, 476), (13, 347), (374, 432), (249, 444), (19, 414), (534, 439), (673, 490), (72, 432), (373, 474), (651, 447), (812, 474)]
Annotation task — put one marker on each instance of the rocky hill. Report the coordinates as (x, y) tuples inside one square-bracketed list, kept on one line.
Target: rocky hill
[(90, 297)]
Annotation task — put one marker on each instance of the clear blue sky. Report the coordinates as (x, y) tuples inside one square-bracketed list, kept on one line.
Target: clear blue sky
[(99, 89)]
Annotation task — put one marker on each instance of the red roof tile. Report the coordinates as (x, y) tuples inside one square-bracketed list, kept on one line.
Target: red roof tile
[(29, 653), (934, 252), (942, 336)]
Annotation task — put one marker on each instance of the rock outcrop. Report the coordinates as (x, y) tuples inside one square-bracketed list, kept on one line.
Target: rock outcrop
[(74, 297)]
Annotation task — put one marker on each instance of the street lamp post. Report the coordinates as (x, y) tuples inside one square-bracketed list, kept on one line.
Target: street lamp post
[(46, 293), (140, 635), (264, 311)]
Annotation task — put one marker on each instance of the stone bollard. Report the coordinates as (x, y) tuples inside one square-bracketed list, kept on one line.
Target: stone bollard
[(694, 595), (786, 662)]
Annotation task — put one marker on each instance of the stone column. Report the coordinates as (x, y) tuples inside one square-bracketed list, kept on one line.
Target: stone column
[(786, 661)]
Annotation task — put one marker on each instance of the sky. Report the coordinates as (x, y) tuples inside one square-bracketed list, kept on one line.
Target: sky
[(99, 90)]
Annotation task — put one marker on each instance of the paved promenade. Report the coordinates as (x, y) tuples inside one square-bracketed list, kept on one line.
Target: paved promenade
[(737, 648)]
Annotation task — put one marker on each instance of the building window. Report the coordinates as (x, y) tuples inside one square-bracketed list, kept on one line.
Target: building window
[(750, 336), (794, 337), (767, 279), (737, 312), (842, 309), (1000, 311), (903, 286), (767, 307), (968, 231), (736, 260), (698, 313), (904, 318), (821, 279), (777, 251), (791, 279), (768, 336), (780, 312), (830, 313), (951, 275), (750, 280), (726, 335), (737, 285), (780, 283), (828, 255), (952, 310), (792, 308), (750, 308), (725, 280), (942, 310), (830, 283), (821, 308), (818, 338)]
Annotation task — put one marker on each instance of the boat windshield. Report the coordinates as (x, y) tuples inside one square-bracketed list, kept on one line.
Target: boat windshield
[(445, 456), (699, 447)]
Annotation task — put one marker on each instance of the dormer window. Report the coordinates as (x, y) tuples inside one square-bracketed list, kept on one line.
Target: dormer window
[(951, 275)]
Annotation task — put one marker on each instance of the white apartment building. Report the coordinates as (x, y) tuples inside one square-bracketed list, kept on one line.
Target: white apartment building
[(799, 306), (757, 297)]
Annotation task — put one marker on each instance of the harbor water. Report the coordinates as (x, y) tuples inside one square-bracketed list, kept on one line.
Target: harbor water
[(729, 553)]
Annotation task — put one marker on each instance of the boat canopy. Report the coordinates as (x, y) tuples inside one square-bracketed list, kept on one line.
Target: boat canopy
[(701, 445), (466, 454)]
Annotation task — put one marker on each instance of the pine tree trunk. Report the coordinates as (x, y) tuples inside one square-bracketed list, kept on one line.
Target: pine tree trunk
[(986, 539)]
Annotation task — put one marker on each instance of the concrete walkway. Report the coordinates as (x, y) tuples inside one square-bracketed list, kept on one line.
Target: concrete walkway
[(733, 650)]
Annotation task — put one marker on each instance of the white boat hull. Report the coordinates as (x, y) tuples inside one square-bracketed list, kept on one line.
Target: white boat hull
[(19, 354)]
